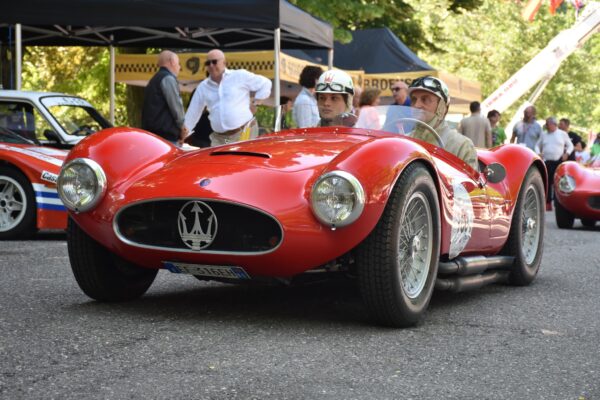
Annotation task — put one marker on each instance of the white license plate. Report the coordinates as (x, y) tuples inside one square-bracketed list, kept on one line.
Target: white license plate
[(214, 271)]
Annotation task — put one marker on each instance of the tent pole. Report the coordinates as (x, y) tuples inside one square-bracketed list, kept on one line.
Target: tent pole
[(111, 50), (18, 56), (277, 80), (330, 58)]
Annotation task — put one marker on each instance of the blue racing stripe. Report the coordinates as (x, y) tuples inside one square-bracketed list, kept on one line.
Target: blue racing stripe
[(48, 195), (54, 207)]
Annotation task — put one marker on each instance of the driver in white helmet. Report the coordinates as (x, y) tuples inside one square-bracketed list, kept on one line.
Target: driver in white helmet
[(334, 91), (431, 94)]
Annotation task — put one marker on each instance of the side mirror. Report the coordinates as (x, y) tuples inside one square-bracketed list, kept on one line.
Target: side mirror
[(52, 136), (495, 172)]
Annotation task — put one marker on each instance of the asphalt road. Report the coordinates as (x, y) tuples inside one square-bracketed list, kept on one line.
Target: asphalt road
[(191, 340)]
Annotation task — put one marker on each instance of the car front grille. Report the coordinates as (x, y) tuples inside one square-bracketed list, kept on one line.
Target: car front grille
[(594, 202), (185, 225)]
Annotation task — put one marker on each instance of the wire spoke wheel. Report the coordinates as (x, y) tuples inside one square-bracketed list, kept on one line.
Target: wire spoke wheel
[(524, 241), (530, 226), (415, 241), (398, 262)]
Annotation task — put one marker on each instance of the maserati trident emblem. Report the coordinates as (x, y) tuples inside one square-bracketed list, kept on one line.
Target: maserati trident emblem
[(197, 225)]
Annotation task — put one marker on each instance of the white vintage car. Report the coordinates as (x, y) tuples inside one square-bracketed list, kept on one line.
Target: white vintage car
[(53, 119)]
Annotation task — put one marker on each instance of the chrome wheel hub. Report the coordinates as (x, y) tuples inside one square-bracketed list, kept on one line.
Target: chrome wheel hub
[(12, 203)]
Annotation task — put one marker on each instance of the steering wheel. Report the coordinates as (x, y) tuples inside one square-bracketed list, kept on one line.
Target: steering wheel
[(415, 121), (83, 130)]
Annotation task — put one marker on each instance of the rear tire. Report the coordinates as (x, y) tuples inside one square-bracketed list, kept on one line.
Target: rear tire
[(102, 275), (588, 223), (398, 262), (564, 218), (525, 239), (17, 205)]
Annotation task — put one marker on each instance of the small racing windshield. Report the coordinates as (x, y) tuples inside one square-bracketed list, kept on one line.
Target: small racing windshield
[(76, 116)]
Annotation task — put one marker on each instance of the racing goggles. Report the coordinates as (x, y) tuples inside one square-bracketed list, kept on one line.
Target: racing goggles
[(334, 87), (433, 84)]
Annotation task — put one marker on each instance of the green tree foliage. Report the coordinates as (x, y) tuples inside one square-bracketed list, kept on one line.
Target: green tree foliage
[(493, 42), (398, 15), (81, 71)]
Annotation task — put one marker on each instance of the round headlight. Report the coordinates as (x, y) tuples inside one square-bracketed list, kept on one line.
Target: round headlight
[(566, 184), (81, 184), (337, 198)]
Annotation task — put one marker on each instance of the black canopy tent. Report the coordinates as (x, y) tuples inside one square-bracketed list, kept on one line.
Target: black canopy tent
[(374, 51), (385, 58), (197, 24)]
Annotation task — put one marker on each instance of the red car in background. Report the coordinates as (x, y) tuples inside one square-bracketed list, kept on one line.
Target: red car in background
[(577, 194), (28, 197), (401, 215)]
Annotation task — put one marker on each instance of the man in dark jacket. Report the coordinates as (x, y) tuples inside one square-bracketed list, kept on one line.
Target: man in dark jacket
[(162, 112)]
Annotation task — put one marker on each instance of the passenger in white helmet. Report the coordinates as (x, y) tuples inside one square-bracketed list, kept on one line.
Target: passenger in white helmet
[(431, 94), (334, 91)]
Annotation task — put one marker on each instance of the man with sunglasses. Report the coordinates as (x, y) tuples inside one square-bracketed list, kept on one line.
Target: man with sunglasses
[(431, 94), (400, 93), (162, 112), (227, 96)]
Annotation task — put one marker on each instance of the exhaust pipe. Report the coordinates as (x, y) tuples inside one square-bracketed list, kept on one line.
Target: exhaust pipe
[(463, 283), (467, 273), (474, 265)]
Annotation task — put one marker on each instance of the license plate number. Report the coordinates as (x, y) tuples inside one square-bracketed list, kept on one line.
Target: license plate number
[(214, 271)]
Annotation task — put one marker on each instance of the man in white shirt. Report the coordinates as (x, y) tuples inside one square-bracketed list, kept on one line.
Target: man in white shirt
[(226, 94), (554, 146), (305, 112)]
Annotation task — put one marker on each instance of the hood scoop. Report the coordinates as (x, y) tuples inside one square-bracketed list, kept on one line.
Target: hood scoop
[(240, 153)]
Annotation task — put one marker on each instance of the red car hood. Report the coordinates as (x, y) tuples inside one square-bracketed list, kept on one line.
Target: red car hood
[(251, 171), (287, 153)]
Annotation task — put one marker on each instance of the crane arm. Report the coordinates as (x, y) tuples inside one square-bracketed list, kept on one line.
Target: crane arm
[(545, 64)]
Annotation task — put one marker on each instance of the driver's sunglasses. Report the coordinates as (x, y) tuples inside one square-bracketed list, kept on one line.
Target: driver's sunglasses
[(208, 62), (434, 84), (396, 89), (336, 87)]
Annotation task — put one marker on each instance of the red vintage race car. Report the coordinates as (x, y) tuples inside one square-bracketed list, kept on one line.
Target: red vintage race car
[(577, 194), (28, 197), (402, 215)]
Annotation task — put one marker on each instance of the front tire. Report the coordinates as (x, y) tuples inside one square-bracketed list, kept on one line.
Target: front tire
[(525, 240), (17, 205), (564, 218), (398, 262), (102, 275)]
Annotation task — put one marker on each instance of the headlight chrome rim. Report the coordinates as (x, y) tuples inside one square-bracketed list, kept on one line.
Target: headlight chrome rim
[(567, 184), (100, 185), (359, 199)]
